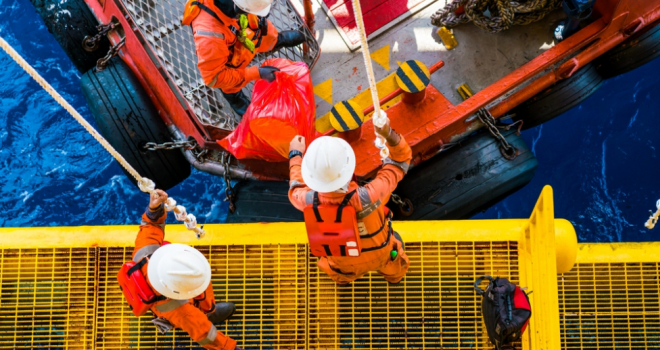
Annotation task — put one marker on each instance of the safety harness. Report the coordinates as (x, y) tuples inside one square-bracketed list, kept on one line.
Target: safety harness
[(257, 25), (332, 230), (506, 311)]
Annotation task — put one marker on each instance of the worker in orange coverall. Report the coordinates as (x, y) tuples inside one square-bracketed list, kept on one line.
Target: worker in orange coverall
[(228, 34), (327, 168), (182, 274)]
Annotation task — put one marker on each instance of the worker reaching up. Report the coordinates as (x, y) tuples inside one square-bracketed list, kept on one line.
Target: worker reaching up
[(324, 177), (173, 281), (228, 34)]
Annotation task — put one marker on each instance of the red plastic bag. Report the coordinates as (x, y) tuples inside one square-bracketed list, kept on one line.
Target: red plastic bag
[(279, 111)]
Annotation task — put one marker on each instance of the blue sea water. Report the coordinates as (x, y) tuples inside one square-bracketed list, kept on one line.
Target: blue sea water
[(601, 157)]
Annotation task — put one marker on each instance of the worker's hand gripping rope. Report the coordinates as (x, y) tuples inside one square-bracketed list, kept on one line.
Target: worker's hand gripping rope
[(189, 220), (653, 219)]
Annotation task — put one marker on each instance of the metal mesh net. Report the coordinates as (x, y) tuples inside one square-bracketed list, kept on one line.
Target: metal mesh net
[(173, 44)]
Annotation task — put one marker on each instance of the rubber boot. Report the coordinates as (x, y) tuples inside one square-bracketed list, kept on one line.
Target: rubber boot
[(222, 312), (289, 38), (238, 101)]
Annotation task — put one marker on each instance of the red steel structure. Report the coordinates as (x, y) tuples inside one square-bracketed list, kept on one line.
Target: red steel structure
[(428, 124)]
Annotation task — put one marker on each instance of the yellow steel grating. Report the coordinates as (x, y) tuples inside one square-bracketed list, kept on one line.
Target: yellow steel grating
[(47, 298), (434, 307), (610, 306), (283, 301)]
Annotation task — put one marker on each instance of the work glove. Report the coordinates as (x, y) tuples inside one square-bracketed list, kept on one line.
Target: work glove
[(268, 73), (289, 38)]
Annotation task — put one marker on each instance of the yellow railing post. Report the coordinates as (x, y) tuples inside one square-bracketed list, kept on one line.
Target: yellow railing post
[(538, 272)]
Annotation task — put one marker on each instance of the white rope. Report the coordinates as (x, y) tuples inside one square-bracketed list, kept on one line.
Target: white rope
[(380, 117), (145, 184), (653, 219)]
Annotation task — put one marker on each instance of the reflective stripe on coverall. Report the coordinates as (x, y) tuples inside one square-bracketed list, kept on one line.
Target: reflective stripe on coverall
[(222, 60), (369, 204), (180, 313)]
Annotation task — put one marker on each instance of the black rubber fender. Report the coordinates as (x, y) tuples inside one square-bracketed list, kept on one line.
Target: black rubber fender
[(559, 98), (263, 201), (466, 179), (70, 21), (638, 50), (127, 118)]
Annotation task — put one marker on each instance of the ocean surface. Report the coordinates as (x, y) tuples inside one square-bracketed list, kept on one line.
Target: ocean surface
[(601, 158)]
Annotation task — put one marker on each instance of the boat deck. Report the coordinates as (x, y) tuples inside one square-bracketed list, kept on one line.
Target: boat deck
[(480, 58)]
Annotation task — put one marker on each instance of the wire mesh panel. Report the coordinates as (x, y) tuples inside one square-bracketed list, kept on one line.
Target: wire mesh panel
[(610, 306), (160, 22), (47, 298), (434, 307)]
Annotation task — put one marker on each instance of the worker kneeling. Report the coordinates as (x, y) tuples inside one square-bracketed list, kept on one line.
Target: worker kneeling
[(348, 225), (173, 281), (228, 34)]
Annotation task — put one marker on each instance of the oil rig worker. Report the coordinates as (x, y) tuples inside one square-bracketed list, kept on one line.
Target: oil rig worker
[(325, 176), (180, 276), (228, 34)]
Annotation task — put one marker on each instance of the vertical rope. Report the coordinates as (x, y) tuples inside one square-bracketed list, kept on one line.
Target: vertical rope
[(145, 184), (379, 117)]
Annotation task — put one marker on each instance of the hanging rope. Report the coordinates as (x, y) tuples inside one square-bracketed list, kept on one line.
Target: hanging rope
[(379, 117), (503, 13), (144, 184), (653, 219)]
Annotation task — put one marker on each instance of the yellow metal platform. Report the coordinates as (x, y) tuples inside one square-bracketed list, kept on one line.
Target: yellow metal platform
[(58, 289)]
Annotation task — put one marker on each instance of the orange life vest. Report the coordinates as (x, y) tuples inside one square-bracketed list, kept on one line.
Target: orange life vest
[(332, 230), (136, 289), (141, 297)]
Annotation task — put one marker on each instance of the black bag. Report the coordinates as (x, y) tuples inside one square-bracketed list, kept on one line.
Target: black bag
[(506, 310)]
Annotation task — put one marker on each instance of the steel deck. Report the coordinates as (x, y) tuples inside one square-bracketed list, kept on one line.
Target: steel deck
[(58, 289)]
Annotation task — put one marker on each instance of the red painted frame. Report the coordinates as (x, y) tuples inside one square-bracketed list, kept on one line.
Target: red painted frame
[(437, 121)]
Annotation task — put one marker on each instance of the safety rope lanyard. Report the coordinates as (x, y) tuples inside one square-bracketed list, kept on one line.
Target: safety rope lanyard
[(379, 117), (144, 183), (653, 219)]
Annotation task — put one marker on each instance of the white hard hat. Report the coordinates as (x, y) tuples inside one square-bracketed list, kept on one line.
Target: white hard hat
[(179, 271), (255, 7), (328, 164)]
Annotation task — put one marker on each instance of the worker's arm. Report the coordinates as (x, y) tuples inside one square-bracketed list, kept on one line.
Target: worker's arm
[(297, 188), (393, 170), (213, 54), (152, 227), (197, 325)]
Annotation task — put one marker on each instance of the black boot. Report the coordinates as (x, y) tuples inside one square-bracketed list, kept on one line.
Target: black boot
[(289, 38), (238, 101), (222, 312)]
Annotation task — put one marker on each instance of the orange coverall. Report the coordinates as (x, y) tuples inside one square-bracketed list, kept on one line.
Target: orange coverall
[(221, 58), (370, 203), (180, 313)]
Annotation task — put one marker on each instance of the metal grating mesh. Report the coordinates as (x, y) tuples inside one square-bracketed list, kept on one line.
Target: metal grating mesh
[(434, 307), (283, 301), (267, 284), (160, 22), (610, 306), (47, 298)]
